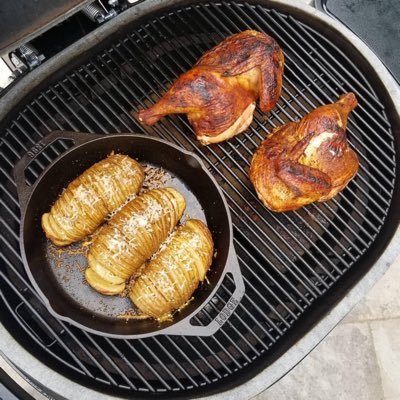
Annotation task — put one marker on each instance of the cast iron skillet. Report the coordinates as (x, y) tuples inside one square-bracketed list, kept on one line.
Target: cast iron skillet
[(59, 279)]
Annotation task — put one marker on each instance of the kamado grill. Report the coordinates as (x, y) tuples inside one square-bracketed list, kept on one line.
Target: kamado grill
[(302, 270)]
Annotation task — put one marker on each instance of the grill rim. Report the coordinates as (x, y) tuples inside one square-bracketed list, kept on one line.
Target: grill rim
[(328, 320)]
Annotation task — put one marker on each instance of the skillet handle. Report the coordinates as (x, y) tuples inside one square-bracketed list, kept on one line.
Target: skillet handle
[(23, 189), (185, 328)]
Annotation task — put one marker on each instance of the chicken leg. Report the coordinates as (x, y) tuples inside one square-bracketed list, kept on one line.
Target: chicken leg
[(219, 93)]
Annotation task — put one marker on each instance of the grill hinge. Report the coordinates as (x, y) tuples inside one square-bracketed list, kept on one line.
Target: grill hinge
[(30, 55), (17, 63), (100, 14)]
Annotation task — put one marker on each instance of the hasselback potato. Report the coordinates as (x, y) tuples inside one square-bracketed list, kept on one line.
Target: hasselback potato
[(131, 237), (88, 199), (170, 278)]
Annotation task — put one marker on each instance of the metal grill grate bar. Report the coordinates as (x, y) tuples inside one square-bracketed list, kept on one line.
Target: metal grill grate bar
[(13, 150), (215, 356), (32, 126), (188, 359), (330, 62), (221, 333), (260, 340), (289, 261), (100, 99), (270, 278), (288, 28), (92, 104), (65, 328), (160, 363), (120, 106), (356, 223), (228, 338), (276, 270), (284, 88), (71, 110), (290, 63), (16, 156), (332, 237), (244, 324), (272, 311), (199, 151), (86, 126), (43, 321), (162, 349), (110, 361), (49, 115), (58, 110), (288, 58), (227, 168), (16, 139), (128, 362), (201, 357)]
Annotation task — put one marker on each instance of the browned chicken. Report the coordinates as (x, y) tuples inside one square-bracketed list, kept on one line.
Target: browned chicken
[(219, 93), (307, 161)]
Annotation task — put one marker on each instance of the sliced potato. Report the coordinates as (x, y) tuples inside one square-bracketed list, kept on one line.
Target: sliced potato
[(101, 285), (170, 278), (132, 236), (88, 199)]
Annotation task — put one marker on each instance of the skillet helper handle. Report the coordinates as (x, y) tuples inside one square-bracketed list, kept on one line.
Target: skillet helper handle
[(185, 328), (23, 189)]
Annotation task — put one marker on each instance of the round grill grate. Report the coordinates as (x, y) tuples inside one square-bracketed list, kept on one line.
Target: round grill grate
[(292, 263)]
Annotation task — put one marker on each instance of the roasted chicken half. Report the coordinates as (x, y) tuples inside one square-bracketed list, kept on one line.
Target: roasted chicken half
[(87, 200), (131, 237), (219, 93), (307, 161), (174, 273)]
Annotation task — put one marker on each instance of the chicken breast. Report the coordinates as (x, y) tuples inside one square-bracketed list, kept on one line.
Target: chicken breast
[(306, 161)]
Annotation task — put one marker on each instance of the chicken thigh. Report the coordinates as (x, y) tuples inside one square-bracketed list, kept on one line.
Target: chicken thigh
[(219, 93)]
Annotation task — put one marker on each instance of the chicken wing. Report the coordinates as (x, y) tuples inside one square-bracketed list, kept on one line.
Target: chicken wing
[(307, 161), (219, 93)]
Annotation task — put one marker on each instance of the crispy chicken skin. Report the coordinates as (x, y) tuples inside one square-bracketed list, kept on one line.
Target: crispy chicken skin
[(219, 93), (307, 161)]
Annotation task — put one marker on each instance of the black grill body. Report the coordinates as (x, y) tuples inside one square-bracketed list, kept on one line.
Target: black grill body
[(297, 266)]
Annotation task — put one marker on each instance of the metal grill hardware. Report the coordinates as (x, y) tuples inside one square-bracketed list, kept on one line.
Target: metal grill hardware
[(291, 262)]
